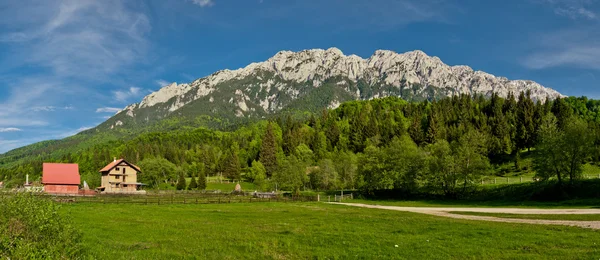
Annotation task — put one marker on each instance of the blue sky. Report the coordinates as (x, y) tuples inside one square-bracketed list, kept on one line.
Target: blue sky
[(68, 65)]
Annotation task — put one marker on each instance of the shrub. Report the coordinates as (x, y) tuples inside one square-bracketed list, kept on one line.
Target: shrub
[(33, 228)]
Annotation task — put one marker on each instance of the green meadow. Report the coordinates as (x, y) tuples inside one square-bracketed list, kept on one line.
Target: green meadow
[(312, 231)]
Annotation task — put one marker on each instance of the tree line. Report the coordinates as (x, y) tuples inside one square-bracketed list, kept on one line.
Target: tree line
[(441, 147)]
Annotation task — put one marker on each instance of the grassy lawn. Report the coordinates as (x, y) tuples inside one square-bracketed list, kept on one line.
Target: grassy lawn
[(313, 231), (580, 203), (225, 187), (579, 217)]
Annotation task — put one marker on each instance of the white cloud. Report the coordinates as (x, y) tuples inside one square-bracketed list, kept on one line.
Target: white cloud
[(372, 15), (203, 3), (9, 129), (574, 9), (81, 39), (50, 108), (108, 110), (161, 82), (576, 48), (68, 48), (126, 95)]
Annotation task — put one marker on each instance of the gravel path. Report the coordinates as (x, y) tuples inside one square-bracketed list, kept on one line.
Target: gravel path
[(445, 212)]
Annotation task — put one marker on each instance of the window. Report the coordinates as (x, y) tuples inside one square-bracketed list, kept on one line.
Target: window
[(117, 177), (117, 168), (124, 185)]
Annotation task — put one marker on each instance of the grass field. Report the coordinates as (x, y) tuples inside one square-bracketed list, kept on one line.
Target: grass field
[(312, 231), (579, 217)]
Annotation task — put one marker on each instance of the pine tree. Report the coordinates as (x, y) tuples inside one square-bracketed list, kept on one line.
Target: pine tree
[(525, 124), (201, 180), (181, 183), (193, 184), (433, 132), (233, 169), (268, 151)]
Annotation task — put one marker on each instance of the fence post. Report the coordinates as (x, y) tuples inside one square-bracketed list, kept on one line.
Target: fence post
[(521, 178), (494, 180), (328, 198), (318, 197), (507, 179), (351, 196)]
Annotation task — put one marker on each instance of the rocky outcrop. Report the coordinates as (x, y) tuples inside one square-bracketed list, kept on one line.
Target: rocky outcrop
[(284, 72)]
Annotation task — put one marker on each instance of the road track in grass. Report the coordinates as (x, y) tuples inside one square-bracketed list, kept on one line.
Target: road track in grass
[(447, 212)]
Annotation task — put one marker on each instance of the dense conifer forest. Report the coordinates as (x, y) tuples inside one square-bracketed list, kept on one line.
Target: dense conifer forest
[(442, 147)]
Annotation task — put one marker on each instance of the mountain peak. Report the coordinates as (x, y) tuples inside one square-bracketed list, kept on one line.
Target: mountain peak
[(277, 83)]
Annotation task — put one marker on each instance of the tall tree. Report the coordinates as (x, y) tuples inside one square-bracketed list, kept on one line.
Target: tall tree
[(232, 168), (201, 180), (193, 184), (268, 151), (181, 183), (525, 122)]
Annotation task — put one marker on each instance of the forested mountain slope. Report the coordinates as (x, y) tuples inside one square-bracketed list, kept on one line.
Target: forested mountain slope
[(311, 80), (371, 145), (297, 83)]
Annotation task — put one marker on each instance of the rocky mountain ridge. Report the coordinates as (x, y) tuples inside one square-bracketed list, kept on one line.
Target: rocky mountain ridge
[(267, 87)]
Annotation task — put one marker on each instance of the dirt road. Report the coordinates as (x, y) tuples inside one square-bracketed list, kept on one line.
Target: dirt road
[(445, 212)]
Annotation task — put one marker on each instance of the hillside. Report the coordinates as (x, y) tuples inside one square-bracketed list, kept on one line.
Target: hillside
[(290, 82), (311, 80)]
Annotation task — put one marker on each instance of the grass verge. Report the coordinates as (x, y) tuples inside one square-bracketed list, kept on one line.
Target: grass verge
[(577, 217), (587, 203)]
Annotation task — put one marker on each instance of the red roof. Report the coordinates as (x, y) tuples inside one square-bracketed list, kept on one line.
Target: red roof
[(113, 164), (61, 173)]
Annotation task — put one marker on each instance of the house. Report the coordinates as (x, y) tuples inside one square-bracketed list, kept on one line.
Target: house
[(1, 184), (61, 178), (120, 176)]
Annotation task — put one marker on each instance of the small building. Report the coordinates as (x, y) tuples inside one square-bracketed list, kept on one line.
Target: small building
[(120, 176), (61, 178)]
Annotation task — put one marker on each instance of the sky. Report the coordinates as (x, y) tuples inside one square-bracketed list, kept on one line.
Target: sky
[(66, 66)]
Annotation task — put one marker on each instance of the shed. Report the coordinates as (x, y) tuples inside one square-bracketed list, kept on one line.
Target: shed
[(61, 178)]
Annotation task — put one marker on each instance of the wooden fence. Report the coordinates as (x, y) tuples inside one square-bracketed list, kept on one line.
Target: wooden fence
[(169, 199), (521, 179)]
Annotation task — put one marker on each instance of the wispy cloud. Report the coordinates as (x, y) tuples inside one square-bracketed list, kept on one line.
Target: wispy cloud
[(50, 108), (203, 3), (161, 82), (9, 129), (374, 14), (108, 110), (66, 49), (574, 9), (80, 39), (576, 47), (126, 95)]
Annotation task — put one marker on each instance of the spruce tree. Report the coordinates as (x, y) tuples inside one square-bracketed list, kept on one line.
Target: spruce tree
[(181, 183), (233, 169), (525, 123), (432, 128), (201, 180), (268, 151), (193, 184)]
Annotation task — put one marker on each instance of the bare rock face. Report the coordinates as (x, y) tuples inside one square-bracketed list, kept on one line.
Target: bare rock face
[(288, 76)]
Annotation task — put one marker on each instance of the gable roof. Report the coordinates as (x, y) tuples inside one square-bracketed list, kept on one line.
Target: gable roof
[(61, 173), (114, 164)]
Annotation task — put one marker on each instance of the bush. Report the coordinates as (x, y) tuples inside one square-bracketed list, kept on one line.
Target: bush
[(33, 228)]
